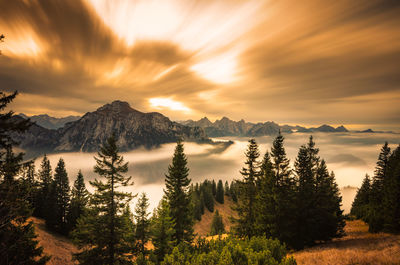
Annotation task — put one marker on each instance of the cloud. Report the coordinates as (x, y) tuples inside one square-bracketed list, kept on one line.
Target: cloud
[(314, 62)]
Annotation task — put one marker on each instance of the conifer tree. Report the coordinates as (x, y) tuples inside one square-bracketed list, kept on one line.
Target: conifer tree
[(266, 200), (17, 236), (360, 205), (214, 188), (162, 231), (226, 188), (100, 232), (177, 183), (391, 194), (217, 225), (79, 201), (142, 223), (246, 203), (306, 169), (219, 197), (285, 192), (59, 200), (45, 180), (329, 216), (376, 214)]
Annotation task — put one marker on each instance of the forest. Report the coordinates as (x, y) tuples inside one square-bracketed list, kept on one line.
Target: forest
[(279, 208)]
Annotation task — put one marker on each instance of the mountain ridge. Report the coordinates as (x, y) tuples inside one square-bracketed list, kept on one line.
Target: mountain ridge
[(228, 127), (131, 127)]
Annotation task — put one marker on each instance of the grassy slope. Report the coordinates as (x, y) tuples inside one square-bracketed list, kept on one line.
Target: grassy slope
[(357, 247), (58, 247), (203, 227)]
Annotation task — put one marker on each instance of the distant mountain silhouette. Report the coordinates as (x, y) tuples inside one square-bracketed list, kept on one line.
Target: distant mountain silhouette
[(131, 127), (49, 122), (228, 127)]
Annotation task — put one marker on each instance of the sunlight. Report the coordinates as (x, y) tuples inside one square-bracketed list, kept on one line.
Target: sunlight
[(221, 69), (161, 103)]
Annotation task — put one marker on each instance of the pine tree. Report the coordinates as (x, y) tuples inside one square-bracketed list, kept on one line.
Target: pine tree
[(217, 225), (219, 197), (246, 203), (329, 216), (306, 168), (391, 194), (214, 188), (17, 236), (100, 231), (142, 223), (79, 201), (285, 192), (59, 200), (266, 200), (360, 205), (45, 180), (177, 184), (376, 214), (162, 231), (226, 188)]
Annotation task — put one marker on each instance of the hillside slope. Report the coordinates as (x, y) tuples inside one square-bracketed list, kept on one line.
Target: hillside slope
[(357, 247), (58, 247), (203, 227)]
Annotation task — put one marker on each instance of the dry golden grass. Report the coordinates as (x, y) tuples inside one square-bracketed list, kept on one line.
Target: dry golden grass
[(58, 247), (357, 247), (203, 227)]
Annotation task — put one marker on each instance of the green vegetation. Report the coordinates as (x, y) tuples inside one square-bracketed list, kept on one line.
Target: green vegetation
[(103, 233), (231, 251), (378, 203), (299, 207), (18, 244)]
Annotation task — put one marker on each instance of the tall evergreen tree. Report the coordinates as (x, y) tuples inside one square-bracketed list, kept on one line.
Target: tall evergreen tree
[(226, 188), (59, 200), (45, 180), (391, 195), (266, 200), (177, 183), (246, 204), (100, 231), (376, 210), (217, 225), (285, 192), (219, 197), (79, 201), (17, 236), (142, 223), (306, 169), (360, 205), (329, 217), (162, 231)]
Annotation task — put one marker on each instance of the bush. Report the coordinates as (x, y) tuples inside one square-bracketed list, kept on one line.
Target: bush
[(231, 251)]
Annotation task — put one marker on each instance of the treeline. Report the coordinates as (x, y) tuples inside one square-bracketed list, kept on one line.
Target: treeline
[(51, 197), (206, 193), (377, 201), (299, 206)]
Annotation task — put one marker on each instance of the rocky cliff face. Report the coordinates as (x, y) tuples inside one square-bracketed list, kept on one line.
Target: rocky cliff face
[(132, 129)]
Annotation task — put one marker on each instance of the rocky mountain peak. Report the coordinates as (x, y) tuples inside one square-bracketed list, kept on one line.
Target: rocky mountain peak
[(117, 106)]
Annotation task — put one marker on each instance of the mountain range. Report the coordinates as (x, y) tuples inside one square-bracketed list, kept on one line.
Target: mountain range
[(227, 127), (132, 129), (49, 122)]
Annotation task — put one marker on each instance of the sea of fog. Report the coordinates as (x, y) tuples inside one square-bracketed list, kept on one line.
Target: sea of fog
[(349, 155)]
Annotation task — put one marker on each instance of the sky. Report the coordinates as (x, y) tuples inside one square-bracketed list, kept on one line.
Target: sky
[(293, 62)]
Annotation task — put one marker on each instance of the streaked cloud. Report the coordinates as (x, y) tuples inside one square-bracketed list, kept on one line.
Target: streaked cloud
[(310, 63)]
